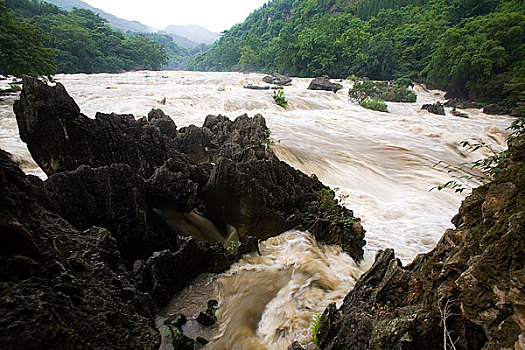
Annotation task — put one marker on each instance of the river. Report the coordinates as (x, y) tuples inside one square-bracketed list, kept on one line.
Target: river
[(381, 163)]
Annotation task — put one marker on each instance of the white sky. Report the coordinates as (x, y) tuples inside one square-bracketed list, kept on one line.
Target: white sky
[(215, 15)]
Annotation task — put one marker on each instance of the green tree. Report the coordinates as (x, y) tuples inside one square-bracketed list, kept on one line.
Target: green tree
[(76, 50), (472, 57), (22, 48), (83, 43)]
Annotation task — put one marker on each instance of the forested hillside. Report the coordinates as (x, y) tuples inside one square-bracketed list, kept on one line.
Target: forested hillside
[(37, 37), (473, 48)]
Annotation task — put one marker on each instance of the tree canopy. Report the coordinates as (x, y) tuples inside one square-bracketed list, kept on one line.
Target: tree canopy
[(22, 49), (39, 38), (473, 48)]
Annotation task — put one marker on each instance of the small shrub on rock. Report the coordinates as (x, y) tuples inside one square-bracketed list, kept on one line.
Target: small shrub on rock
[(362, 90), (398, 93), (279, 98)]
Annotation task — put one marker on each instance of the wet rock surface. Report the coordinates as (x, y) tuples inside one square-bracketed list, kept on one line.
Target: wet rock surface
[(295, 346), (165, 273), (471, 287), (113, 197), (459, 114), (258, 87), (90, 254), (62, 288), (436, 108), (278, 79), (324, 83), (224, 171), (494, 109)]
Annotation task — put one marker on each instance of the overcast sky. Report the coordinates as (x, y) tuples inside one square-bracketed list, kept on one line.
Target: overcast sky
[(215, 15)]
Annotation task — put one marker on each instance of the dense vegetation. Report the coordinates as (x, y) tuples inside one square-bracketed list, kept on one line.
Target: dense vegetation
[(38, 36), (474, 48), (396, 92), (22, 48)]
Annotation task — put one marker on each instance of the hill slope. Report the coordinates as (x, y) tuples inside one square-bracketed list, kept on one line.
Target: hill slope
[(472, 48), (113, 21), (81, 41), (188, 36), (193, 32)]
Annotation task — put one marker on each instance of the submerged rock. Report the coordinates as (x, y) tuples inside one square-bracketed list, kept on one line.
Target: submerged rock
[(180, 341), (206, 319), (202, 341), (457, 113), (436, 108), (295, 346), (470, 288), (324, 83), (258, 87), (177, 320)]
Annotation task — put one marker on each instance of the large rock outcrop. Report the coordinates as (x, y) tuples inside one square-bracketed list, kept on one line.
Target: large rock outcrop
[(147, 181), (61, 288), (469, 290)]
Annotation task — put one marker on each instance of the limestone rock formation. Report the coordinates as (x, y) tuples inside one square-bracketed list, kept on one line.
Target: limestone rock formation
[(62, 288), (469, 290), (221, 177)]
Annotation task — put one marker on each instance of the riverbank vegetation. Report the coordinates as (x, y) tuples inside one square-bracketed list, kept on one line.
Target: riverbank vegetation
[(472, 48), (38, 38)]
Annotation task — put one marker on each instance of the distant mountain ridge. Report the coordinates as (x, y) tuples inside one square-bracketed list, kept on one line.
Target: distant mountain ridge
[(113, 21), (186, 36), (193, 32)]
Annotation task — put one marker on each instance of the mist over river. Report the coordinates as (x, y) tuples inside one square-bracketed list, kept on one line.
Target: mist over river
[(382, 161)]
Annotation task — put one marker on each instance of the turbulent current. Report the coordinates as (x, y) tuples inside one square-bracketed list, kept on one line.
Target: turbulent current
[(384, 162)]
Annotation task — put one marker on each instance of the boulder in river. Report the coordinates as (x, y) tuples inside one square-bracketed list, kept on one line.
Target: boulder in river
[(436, 108), (324, 83), (495, 109), (278, 79), (258, 87), (457, 113)]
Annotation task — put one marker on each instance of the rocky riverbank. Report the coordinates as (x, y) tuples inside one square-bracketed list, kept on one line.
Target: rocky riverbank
[(468, 293), (92, 252)]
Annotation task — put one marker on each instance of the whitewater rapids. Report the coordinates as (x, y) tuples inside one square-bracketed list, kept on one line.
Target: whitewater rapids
[(382, 161)]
